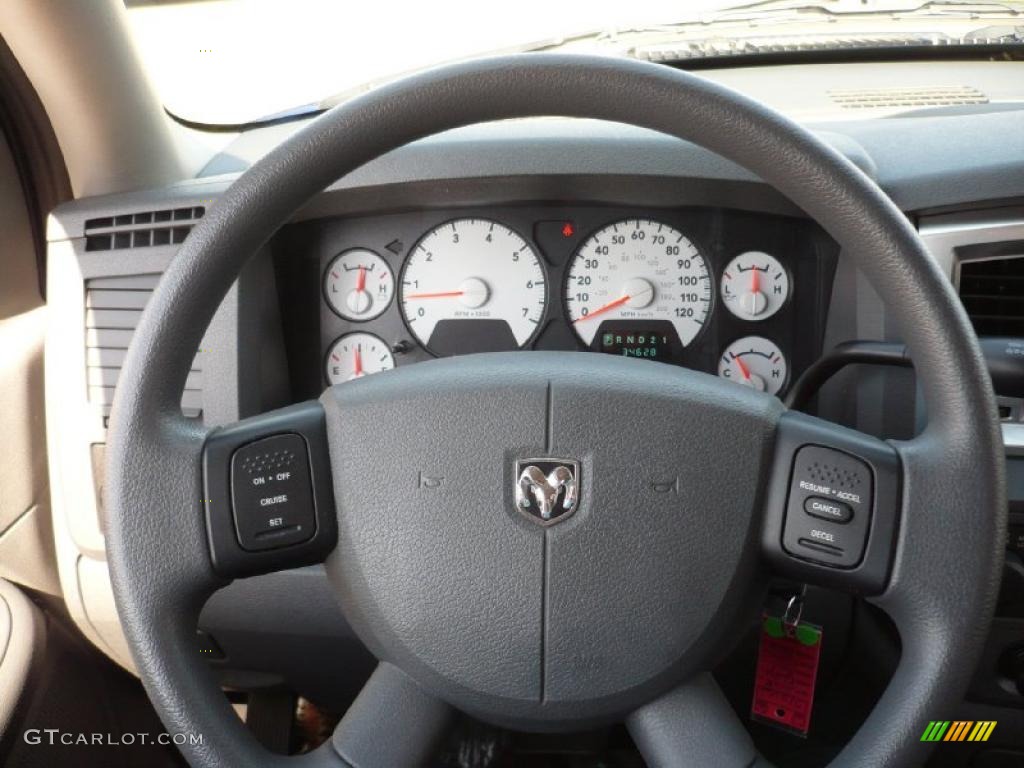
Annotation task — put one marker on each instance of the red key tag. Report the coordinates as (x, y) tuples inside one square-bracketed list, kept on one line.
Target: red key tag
[(787, 666)]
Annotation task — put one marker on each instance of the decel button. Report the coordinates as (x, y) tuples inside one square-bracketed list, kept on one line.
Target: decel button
[(272, 493), (826, 509)]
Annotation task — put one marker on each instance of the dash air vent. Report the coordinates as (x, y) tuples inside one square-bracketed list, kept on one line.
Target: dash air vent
[(928, 96), (113, 306), (141, 230), (992, 292)]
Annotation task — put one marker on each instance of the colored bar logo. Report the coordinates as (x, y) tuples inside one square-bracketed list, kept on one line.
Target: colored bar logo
[(958, 730)]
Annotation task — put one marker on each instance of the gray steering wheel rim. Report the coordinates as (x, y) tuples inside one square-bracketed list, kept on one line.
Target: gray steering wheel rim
[(953, 472)]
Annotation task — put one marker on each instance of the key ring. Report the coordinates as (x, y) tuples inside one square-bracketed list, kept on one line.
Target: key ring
[(791, 616)]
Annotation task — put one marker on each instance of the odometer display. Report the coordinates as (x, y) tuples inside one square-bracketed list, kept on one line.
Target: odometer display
[(645, 343), (638, 269)]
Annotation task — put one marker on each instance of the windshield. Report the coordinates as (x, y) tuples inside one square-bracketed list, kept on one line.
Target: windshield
[(234, 62)]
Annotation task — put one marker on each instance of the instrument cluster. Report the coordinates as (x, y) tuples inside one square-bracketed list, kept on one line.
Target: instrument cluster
[(738, 294)]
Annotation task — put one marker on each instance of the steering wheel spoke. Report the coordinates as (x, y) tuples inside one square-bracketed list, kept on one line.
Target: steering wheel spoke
[(833, 504), (392, 721), (267, 492), (692, 726)]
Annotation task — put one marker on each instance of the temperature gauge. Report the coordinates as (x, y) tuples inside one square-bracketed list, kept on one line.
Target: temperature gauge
[(355, 355), (358, 284), (754, 285), (755, 362)]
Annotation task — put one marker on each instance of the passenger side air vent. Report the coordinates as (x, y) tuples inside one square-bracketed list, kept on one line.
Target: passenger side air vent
[(992, 291), (113, 306), (141, 230), (928, 96)]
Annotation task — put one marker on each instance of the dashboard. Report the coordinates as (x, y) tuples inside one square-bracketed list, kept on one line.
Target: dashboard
[(732, 293)]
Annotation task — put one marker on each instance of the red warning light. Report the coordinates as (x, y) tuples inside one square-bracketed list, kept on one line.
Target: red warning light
[(568, 230)]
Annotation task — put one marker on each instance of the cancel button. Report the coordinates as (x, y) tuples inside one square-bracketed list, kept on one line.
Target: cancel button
[(826, 509)]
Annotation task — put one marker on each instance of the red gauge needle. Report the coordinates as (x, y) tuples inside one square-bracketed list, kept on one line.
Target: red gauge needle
[(358, 362), (361, 280), (440, 295), (607, 307), (755, 281), (743, 368)]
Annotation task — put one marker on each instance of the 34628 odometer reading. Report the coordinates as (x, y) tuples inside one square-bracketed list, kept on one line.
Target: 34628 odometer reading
[(639, 269)]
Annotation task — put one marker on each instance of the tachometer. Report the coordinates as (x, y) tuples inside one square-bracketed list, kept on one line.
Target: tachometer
[(638, 270), (472, 285)]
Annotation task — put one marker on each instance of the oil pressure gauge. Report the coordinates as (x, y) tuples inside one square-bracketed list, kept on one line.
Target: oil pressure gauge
[(754, 286), (358, 284), (756, 362), (355, 355)]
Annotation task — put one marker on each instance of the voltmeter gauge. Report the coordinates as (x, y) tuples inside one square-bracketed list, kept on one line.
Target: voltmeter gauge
[(756, 362), (754, 285), (359, 284), (355, 355)]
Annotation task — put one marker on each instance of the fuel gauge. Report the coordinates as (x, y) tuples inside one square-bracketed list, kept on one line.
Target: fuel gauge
[(355, 355), (756, 362)]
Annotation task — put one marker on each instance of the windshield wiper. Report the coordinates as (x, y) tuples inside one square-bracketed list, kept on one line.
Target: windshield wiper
[(824, 28), (830, 10)]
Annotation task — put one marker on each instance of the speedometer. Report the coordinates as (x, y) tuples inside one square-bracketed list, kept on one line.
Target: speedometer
[(472, 285), (641, 275)]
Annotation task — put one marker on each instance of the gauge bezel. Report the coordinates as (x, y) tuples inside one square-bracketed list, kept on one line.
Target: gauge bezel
[(785, 302), (330, 348), (699, 246), (530, 244), (327, 298)]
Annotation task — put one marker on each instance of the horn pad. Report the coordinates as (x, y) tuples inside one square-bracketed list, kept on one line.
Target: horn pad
[(442, 571)]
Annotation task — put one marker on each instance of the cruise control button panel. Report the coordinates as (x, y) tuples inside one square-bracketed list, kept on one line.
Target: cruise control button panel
[(268, 495), (829, 508), (272, 494)]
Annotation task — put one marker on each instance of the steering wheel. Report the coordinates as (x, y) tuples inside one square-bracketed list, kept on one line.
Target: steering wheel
[(617, 612)]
